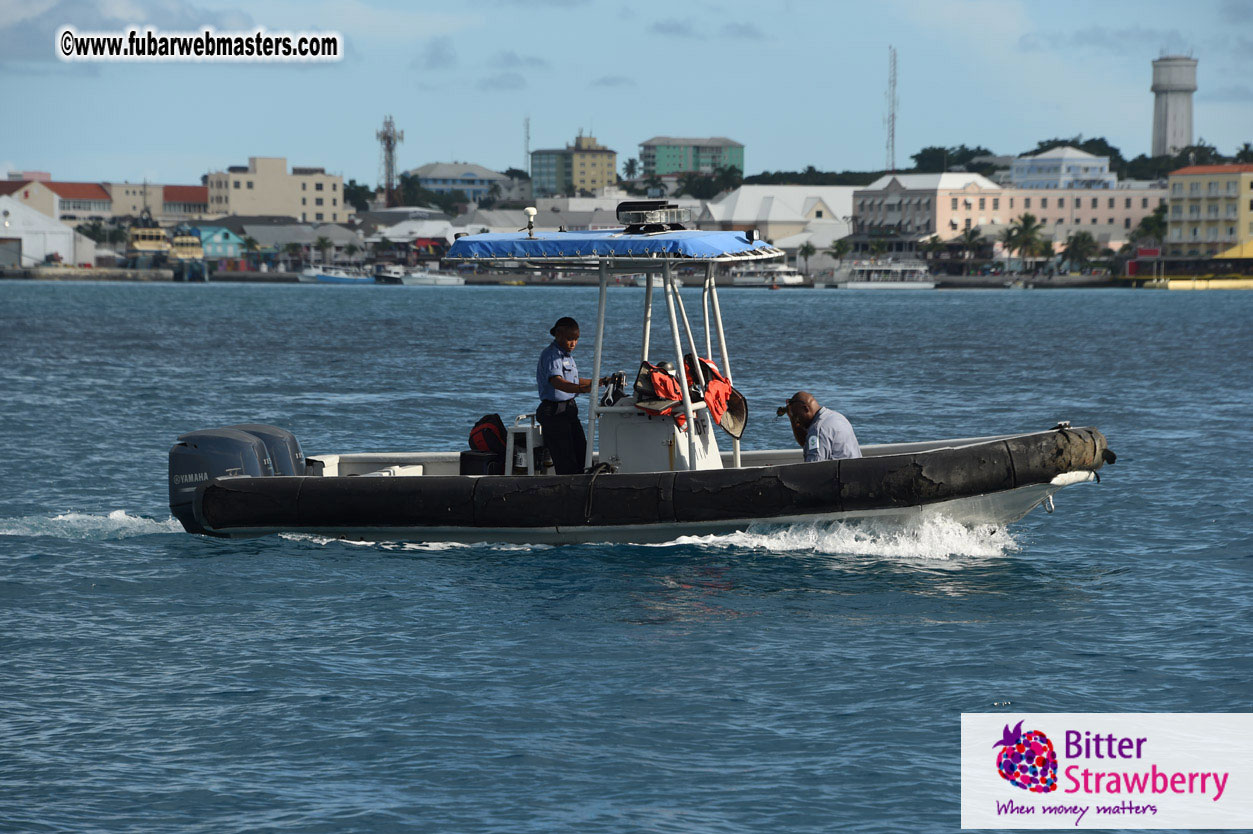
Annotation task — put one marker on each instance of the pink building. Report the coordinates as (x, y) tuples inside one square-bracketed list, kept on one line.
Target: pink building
[(901, 211)]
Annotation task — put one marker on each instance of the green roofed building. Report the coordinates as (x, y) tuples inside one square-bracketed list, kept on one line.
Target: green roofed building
[(663, 155)]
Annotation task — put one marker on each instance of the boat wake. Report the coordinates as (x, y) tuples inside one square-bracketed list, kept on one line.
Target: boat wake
[(426, 547), (935, 538), (88, 526)]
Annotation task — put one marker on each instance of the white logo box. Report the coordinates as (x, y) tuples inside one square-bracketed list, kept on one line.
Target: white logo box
[(1143, 770)]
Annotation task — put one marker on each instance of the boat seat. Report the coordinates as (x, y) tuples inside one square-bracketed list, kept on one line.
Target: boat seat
[(398, 471)]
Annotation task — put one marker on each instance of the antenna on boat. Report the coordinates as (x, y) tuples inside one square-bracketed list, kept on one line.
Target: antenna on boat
[(530, 213)]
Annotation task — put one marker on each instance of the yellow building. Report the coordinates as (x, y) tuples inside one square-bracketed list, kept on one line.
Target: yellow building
[(1210, 210), (264, 187), (592, 165), (584, 166)]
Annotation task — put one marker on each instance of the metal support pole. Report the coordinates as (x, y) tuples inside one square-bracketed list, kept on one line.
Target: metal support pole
[(648, 314), (668, 279), (704, 305), (722, 336), (687, 328), (726, 359), (593, 401)]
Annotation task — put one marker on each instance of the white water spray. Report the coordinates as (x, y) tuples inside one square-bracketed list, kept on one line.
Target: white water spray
[(88, 526)]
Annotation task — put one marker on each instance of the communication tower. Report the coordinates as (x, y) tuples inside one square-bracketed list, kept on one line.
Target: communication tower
[(893, 102), (388, 138), (526, 145)]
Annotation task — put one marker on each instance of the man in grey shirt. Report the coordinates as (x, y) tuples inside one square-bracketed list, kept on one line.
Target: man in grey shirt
[(824, 434)]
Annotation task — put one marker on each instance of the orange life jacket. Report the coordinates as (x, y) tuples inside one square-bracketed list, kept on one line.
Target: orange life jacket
[(717, 386)]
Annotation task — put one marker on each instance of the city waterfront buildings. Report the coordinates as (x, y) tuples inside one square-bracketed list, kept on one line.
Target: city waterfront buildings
[(220, 243), (1063, 167), (582, 167), (73, 203), (168, 204), (29, 237), (789, 216), (1210, 210), (70, 202), (474, 181), (898, 212), (663, 155), (264, 187), (778, 211)]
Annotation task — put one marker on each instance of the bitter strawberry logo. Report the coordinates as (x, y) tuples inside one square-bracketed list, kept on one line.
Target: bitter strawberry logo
[(1027, 760)]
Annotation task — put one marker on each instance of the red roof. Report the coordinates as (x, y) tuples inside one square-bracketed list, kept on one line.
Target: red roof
[(79, 191), (187, 194), (1213, 169), (9, 186)]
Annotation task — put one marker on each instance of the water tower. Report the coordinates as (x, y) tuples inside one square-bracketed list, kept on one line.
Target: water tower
[(1174, 82)]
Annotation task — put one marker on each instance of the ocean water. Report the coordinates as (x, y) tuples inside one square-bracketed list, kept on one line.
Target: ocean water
[(798, 679)]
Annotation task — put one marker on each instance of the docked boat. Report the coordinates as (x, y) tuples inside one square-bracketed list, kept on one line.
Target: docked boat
[(187, 254), (328, 274), (766, 275), (885, 275), (395, 274), (654, 468), (147, 246)]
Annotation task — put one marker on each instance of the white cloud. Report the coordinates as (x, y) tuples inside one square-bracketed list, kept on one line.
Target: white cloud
[(15, 11), (363, 21), (28, 36), (502, 82)]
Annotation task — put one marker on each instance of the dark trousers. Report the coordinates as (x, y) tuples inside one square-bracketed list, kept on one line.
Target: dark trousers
[(563, 435)]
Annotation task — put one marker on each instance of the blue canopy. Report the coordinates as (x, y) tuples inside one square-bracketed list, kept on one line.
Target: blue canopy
[(611, 243)]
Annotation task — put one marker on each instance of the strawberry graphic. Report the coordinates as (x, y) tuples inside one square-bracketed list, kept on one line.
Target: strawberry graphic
[(1027, 760)]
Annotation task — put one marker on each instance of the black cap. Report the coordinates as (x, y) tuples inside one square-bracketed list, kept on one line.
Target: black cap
[(564, 322)]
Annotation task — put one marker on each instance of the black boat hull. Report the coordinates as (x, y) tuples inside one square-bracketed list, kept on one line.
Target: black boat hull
[(995, 482)]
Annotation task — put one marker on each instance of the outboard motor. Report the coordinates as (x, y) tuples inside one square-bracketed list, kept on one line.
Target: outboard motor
[(250, 449), (282, 446)]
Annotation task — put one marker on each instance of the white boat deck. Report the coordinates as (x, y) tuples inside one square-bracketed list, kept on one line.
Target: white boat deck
[(449, 463)]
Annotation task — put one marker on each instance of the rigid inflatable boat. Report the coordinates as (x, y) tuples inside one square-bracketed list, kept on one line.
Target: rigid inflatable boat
[(654, 470)]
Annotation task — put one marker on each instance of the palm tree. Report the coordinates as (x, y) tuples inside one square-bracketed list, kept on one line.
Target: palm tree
[(1043, 248), (877, 248), (1244, 153), (728, 178), (839, 249), (251, 247), (971, 240), (322, 244), (1023, 237), (1080, 247), (807, 250), (932, 246), (293, 252), (1009, 242), (351, 249), (630, 168), (1151, 226)]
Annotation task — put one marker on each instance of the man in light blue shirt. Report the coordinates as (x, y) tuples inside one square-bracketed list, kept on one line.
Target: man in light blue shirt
[(823, 433), (557, 378)]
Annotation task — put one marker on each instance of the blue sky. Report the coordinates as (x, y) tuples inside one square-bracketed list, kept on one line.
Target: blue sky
[(799, 82)]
